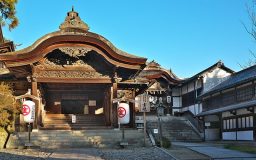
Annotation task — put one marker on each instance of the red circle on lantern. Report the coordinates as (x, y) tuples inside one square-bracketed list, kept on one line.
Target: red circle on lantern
[(121, 112), (25, 110)]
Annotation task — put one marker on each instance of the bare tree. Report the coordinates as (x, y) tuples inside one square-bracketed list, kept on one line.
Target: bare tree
[(251, 30)]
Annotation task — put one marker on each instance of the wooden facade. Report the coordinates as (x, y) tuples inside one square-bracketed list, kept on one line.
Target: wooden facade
[(232, 103), (74, 71)]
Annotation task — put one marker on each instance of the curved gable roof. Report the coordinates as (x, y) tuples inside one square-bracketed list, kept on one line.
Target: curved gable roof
[(73, 32)]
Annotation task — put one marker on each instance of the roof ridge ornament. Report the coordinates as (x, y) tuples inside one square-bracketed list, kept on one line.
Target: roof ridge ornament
[(73, 23)]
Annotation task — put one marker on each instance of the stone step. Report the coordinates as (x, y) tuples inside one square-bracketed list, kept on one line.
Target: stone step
[(86, 138), (175, 128), (64, 122)]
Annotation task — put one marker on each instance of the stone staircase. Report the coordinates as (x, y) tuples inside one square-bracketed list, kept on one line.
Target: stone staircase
[(64, 122), (101, 138), (174, 128)]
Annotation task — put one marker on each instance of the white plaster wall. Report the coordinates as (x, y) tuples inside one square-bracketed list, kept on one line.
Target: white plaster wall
[(191, 87), (176, 92), (229, 135), (184, 109), (194, 109), (212, 134), (226, 114), (177, 102), (212, 79), (242, 111), (200, 108), (245, 135), (198, 84), (175, 110), (184, 89)]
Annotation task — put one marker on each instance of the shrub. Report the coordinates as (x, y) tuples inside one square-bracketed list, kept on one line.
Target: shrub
[(9, 108), (166, 142)]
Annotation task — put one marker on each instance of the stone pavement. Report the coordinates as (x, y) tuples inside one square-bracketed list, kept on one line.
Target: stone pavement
[(216, 152), (183, 153), (150, 153)]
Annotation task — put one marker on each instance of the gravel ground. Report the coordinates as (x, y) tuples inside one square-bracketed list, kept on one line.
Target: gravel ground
[(86, 154), (136, 154)]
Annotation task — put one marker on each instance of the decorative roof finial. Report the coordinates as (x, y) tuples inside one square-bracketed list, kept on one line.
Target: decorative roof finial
[(73, 23)]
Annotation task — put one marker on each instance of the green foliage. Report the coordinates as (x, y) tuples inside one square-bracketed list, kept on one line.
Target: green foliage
[(241, 148), (8, 13), (166, 142), (8, 106)]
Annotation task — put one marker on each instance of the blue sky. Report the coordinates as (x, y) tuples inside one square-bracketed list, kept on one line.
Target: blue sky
[(184, 35)]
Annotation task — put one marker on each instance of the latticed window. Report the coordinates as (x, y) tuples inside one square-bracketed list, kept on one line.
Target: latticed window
[(229, 124), (245, 93), (245, 122), (188, 99), (228, 97)]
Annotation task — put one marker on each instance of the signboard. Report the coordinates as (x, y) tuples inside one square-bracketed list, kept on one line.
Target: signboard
[(207, 124), (145, 107), (92, 102), (73, 118), (169, 99), (28, 111), (123, 113), (155, 131)]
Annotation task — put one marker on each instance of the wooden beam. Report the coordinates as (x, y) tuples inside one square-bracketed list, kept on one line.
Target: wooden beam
[(74, 80)]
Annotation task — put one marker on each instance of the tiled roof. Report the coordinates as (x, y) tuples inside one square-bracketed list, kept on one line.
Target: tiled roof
[(229, 108), (240, 77), (218, 64)]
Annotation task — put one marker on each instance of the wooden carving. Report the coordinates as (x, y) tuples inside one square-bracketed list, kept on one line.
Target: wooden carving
[(75, 51), (124, 94), (69, 74)]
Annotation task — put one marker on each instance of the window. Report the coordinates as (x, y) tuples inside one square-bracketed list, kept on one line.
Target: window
[(245, 122), (228, 97), (244, 93), (229, 124), (188, 99), (239, 123), (251, 121), (224, 124)]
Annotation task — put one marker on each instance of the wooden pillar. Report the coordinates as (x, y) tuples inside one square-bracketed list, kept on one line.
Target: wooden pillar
[(254, 126), (108, 106), (114, 106), (133, 110), (221, 125), (34, 93)]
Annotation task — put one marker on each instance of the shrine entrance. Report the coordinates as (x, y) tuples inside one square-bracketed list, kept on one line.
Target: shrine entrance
[(78, 99), (74, 107)]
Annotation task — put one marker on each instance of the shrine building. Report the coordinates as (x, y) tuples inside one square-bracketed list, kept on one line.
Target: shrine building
[(75, 71)]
